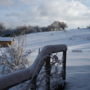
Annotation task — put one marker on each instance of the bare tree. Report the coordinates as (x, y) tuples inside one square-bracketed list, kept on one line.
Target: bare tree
[(56, 25)]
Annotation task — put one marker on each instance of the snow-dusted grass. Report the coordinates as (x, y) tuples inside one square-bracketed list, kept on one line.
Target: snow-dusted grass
[(78, 55)]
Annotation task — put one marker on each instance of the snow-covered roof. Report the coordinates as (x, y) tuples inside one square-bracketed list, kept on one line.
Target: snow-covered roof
[(6, 39)]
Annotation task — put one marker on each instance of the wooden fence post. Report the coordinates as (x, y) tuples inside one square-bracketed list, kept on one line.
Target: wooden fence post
[(64, 66), (48, 72), (33, 84)]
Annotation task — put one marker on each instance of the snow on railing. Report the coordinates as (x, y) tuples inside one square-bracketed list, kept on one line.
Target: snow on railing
[(31, 73)]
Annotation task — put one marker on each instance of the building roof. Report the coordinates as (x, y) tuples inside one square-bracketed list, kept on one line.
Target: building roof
[(6, 39)]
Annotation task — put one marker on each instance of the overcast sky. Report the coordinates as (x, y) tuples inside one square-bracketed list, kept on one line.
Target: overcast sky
[(43, 12)]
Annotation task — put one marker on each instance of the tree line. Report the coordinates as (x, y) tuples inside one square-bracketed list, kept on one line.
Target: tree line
[(55, 26)]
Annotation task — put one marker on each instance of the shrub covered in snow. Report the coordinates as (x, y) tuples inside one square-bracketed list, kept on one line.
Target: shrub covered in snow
[(14, 58)]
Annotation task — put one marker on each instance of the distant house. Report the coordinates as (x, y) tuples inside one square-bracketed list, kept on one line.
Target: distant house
[(5, 41)]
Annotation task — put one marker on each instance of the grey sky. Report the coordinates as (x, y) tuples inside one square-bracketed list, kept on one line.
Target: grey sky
[(43, 12)]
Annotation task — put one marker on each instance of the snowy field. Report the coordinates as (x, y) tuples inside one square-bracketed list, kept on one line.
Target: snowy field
[(78, 55)]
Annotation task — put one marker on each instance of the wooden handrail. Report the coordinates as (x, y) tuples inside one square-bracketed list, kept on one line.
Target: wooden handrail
[(20, 76)]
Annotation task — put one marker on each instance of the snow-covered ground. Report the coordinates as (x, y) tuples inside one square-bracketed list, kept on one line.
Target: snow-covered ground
[(78, 55)]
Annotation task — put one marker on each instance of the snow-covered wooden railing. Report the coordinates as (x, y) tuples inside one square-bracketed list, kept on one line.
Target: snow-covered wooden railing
[(15, 78)]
